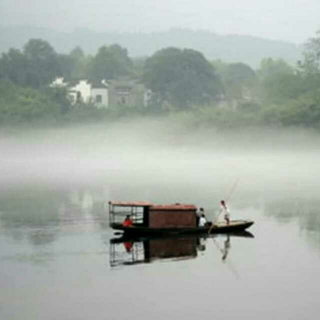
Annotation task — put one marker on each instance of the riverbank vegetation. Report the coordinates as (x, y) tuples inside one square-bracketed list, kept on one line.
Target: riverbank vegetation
[(185, 86)]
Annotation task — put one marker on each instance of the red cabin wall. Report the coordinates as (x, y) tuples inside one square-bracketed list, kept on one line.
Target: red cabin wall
[(171, 219)]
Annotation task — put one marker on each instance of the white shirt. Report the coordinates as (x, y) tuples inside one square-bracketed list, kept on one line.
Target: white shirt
[(202, 221), (225, 210)]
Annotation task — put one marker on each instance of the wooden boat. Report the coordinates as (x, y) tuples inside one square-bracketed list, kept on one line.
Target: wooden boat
[(234, 226), (149, 219)]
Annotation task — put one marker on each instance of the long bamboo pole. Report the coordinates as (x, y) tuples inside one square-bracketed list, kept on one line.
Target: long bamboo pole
[(227, 199)]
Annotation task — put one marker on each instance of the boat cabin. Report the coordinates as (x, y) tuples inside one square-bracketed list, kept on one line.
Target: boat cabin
[(148, 215)]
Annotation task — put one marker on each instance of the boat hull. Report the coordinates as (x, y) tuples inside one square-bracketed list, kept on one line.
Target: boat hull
[(234, 226)]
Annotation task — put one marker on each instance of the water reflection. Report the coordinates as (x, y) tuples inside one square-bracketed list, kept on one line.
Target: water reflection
[(226, 248), (305, 211), (40, 213), (129, 251)]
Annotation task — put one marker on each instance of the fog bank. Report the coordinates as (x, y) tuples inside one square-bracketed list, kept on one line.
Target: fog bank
[(134, 158)]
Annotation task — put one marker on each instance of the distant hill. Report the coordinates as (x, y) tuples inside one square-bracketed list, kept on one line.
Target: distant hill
[(229, 48)]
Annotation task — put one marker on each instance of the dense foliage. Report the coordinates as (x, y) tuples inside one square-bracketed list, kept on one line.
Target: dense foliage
[(109, 63), (184, 85), (182, 77), (19, 104), (36, 66)]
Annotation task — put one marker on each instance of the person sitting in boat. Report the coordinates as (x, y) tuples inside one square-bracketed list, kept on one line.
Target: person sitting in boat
[(202, 220), (127, 222), (225, 210), (198, 216)]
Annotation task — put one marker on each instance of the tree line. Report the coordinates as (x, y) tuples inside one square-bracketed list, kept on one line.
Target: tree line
[(181, 81)]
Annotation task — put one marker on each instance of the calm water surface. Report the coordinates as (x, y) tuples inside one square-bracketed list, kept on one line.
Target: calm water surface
[(60, 260)]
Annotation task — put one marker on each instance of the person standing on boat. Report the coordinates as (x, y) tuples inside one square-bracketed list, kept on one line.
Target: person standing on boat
[(127, 222), (225, 210)]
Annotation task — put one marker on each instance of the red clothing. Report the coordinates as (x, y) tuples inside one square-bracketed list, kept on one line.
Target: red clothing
[(127, 223), (128, 245)]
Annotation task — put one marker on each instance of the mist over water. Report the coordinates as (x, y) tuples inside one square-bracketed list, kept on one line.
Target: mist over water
[(55, 237), (146, 155)]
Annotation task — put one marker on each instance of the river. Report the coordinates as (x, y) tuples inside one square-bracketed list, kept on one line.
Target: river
[(60, 260)]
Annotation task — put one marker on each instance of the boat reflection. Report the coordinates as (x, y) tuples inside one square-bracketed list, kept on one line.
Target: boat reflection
[(131, 251)]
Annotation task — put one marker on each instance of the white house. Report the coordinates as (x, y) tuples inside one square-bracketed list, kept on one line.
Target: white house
[(100, 95), (104, 94), (81, 92), (84, 91)]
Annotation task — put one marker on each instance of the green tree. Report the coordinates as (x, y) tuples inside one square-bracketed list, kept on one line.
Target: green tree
[(283, 87), (311, 62), (270, 67), (239, 73), (36, 66), (279, 82), (138, 66), (42, 63), (181, 77), (77, 53), (13, 67), (109, 63), (66, 66), (78, 64), (238, 79), (18, 104), (59, 95)]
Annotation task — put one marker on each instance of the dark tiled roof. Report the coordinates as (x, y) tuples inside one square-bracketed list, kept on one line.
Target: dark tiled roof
[(131, 204)]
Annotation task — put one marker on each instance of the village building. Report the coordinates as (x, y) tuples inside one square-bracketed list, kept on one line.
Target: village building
[(128, 93), (80, 92), (124, 92), (100, 94)]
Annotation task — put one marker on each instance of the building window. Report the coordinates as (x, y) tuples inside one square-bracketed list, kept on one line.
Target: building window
[(98, 98)]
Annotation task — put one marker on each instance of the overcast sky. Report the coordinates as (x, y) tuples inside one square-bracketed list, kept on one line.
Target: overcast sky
[(291, 20)]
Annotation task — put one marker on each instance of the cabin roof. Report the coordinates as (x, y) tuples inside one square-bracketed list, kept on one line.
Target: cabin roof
[(131, 204), (173, 207)]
